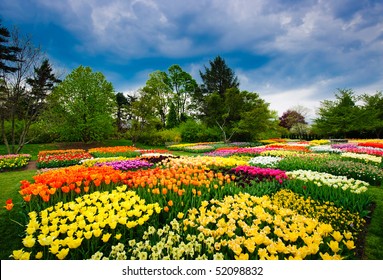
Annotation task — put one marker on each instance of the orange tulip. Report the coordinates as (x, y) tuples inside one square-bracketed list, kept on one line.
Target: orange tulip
[(166, 209), (170, 203), (164, 191), (97, 182), (107, 180), (9, 204)]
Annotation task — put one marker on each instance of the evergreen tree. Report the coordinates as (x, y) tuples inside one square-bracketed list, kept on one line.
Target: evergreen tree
[(8, 54), (218, 77)]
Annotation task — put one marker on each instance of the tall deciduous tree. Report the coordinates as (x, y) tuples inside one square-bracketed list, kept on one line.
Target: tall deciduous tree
[(144, 116), (158, 90), (183, 87), (81, 108)]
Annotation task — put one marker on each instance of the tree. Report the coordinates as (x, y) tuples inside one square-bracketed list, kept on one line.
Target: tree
[(290, 118), (300, 129), (183, 87), (42, 84), (372, 114), (7, 59), (123, 110), (256, 118), (144, 116), (218, 78), (240, 115), (172, 119), (158, 90), (21, 100), (8, 53), (340, 117), (209, 98), (81, 108)]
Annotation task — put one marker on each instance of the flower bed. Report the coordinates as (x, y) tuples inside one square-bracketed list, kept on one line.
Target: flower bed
[(201, 207), (14, 161), (61, 158)]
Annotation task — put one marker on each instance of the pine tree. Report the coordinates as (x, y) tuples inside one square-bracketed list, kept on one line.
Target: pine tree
[(7, 53), (218, 78)]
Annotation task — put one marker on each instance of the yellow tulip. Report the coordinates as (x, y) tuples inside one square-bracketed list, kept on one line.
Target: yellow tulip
[(334, 246), (29, 241), (62, 254)]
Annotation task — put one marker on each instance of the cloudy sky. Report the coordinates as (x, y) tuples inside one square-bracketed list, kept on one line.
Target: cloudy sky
[(291, 52)]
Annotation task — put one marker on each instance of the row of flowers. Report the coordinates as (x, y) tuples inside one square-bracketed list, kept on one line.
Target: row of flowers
[(14, 161)]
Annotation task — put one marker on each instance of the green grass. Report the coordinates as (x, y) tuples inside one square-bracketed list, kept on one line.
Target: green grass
[(373, 249), (10, 232)]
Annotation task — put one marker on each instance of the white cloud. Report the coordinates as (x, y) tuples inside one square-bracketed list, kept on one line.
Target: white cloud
[(312, 47)]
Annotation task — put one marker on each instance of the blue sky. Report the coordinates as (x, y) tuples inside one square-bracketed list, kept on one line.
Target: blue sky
[(290, 52)]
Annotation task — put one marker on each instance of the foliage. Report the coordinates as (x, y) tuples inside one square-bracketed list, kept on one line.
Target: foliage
[(344, 117), (81, 108), (183, 87), (157, 92), (193, 131), (172, 120), (290, 118)]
